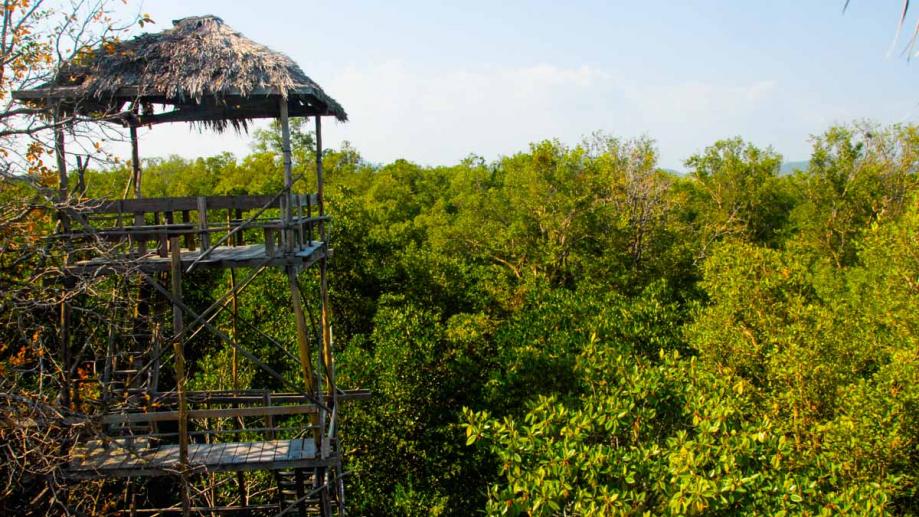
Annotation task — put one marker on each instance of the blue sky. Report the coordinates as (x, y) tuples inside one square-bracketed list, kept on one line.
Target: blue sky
[(435, 81)]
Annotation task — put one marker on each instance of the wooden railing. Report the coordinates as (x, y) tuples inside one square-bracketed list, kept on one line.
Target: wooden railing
[(143, 226), (250, 415), (230, 416)]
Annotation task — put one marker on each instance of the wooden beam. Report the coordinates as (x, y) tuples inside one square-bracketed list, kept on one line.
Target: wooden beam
[(327, 360), (135, 93), (325, 323), (179, 345), (319, 179), (135, 162), (238, 422), (170, 416), (178, 204), (306, 361), (250, 396), (234, 330), (204, 235), (301, 493), (189, 237), (218, 113), (286, 240)]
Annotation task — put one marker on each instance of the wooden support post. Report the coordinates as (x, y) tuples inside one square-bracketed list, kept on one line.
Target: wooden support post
[(240, 238), (286, 237), (179, 346), (306, 358), (269, 242), (309, 215), (326, 328), (306, 361), (269, 419), (140, 220), (328, 367), (232, 240), (319, 179), (189, 238), (135, 161), (322, 485), (339, 487), (298, 487), (239, 423), (234, 331), (300, 233), (205, 236), (326, 352), (163, 236)]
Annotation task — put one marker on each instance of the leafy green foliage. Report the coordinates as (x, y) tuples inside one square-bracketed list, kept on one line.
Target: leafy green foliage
[(571, 330), (737, 193)]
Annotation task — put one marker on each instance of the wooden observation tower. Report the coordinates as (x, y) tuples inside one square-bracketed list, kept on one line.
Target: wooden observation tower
[(131, 379)]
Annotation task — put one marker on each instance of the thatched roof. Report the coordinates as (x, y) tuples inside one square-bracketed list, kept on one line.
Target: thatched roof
[(207, 70)]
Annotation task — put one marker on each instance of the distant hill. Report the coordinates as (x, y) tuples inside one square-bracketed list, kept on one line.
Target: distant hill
[(786, 168), (791, 167)]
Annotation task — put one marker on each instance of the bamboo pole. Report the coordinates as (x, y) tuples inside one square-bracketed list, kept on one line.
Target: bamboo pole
[(179, 345), (135, 162), (286, 237), (323, 273), (287, 241), (142, 308), (234, 329), (319, 187), (234, 367), (306, 360)]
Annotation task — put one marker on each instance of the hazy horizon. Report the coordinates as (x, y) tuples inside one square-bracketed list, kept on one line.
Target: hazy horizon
[(434, 83)]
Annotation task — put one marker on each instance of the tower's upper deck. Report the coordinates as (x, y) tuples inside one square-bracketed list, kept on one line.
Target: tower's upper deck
[(213, 231)]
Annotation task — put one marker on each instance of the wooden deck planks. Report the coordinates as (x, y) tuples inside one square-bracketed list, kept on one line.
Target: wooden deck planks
[(124, 460), (294, 449), (222, 256)]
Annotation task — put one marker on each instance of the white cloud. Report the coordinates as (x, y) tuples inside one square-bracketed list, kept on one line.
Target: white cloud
[(440, 116)]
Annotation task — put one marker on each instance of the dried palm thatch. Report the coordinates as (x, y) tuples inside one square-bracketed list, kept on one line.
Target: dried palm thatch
[(209, 72)]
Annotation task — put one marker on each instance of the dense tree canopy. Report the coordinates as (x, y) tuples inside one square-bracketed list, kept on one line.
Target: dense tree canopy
[(573, 330)]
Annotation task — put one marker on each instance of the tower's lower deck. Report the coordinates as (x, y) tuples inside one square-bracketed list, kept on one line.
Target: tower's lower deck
[(129, 458), (249, 255)]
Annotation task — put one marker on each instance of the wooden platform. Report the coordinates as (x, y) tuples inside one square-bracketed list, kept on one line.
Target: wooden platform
[(221, 257), (120, 459)]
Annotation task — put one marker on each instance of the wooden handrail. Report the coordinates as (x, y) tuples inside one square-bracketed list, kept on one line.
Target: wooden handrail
[(178, 204), (166, 416), (252, 396)]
